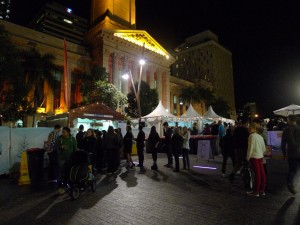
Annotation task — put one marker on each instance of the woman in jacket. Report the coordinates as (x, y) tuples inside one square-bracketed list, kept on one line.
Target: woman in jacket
[(186, 148), (255, 155), (153, 141)]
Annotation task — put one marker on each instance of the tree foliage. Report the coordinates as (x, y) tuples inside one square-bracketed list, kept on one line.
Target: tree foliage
[(199, 95), (96, 88), (221, 107), (149, 100), (20, 72), (38, 68)]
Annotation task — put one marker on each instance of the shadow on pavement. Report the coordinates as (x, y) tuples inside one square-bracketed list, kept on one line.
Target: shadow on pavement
[(54, 206)]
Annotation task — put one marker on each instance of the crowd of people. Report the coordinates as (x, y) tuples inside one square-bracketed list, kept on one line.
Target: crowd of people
[(243, 143)]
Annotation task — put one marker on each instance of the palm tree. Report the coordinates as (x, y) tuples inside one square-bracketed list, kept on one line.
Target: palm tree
[(221, 107), (204, 96), (38, 68)]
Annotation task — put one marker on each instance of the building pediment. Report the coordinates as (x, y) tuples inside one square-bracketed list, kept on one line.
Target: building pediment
[(141, 38)]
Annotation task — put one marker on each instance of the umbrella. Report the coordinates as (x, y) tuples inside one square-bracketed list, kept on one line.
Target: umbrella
[(289, 110)]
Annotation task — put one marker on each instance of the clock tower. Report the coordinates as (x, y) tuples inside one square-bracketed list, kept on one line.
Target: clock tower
[(113, 14)]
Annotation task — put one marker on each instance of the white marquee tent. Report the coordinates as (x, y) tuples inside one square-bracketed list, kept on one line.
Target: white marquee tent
[(191, 114), (211, 115)]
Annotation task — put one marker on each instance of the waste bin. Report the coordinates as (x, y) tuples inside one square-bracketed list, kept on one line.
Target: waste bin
[(35, 164)]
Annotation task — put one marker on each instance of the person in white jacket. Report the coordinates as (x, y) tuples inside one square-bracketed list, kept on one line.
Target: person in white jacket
[(255, 155)]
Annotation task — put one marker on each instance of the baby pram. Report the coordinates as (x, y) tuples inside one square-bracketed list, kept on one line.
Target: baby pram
[(81, 174), (247, 175)]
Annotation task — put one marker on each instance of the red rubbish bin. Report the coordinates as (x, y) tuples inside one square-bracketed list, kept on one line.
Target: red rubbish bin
[(35, 164)]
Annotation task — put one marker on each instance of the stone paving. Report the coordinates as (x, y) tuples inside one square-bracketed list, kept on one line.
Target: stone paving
[(199, 196)]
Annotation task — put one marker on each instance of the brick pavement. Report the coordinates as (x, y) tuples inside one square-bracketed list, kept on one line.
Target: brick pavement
[(199, 196)]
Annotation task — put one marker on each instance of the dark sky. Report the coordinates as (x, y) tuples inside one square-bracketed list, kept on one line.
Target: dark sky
[(263, 36)]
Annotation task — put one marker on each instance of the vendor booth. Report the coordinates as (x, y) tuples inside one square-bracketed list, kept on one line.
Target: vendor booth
[(191, 116), (96, 116)]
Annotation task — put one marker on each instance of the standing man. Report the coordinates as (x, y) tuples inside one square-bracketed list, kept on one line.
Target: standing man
[(240, 140), (168, 147), (65, 145), (140, 144), (290, 146), (80, 137), (52, 154)]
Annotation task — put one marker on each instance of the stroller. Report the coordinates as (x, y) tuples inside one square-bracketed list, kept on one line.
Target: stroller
[(247, 175), (81, 174)]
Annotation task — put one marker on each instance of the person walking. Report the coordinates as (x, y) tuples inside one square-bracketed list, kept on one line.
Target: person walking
[(153, 141), (52, 154), (140, 144), (127, 146), (290, 146), (168, 135), (176, 142), (255, 155), (186, 148), (227, 147), (65, 145), (240, 139)]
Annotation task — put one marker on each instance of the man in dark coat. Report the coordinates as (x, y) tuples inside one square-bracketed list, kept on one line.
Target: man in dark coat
[(290, 146), (140, 144)]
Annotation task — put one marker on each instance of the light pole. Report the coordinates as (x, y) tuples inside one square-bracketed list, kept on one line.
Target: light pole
[(124, 77), (137, 92)]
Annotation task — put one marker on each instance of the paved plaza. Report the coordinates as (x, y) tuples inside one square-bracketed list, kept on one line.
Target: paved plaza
[(199, 196)]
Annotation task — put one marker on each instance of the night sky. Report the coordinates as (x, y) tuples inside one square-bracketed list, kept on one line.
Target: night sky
[(263, 36)]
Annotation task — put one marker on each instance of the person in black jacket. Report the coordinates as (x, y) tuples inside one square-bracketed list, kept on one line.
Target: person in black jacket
[(290, 146), (227, 148), (153, 141), (127, 147), (240, 138), (79, 137), (140, 144), (89, 144), (177, 143), (168, 134)]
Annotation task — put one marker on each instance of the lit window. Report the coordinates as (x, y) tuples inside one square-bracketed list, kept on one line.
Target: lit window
[(68, 21), (175, 99), (69, 10)]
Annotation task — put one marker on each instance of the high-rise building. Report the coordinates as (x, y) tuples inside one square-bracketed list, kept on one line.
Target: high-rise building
[(59, 21), (5, 9), (202, 57)]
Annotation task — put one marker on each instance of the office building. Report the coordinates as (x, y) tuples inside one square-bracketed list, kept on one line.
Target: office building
[(59, 21), (202, 58)]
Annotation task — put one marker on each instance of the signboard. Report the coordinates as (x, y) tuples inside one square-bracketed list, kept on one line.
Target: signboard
[(203, 149)]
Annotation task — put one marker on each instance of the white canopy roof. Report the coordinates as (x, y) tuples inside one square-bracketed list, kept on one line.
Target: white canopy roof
[(210, 114), (289, 110), (191, 113), (159, 111)]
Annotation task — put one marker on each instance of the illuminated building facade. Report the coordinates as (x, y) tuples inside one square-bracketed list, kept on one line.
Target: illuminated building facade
[(202, 58), (113, 42), (59, 21), (118, 46), (5, 7)]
